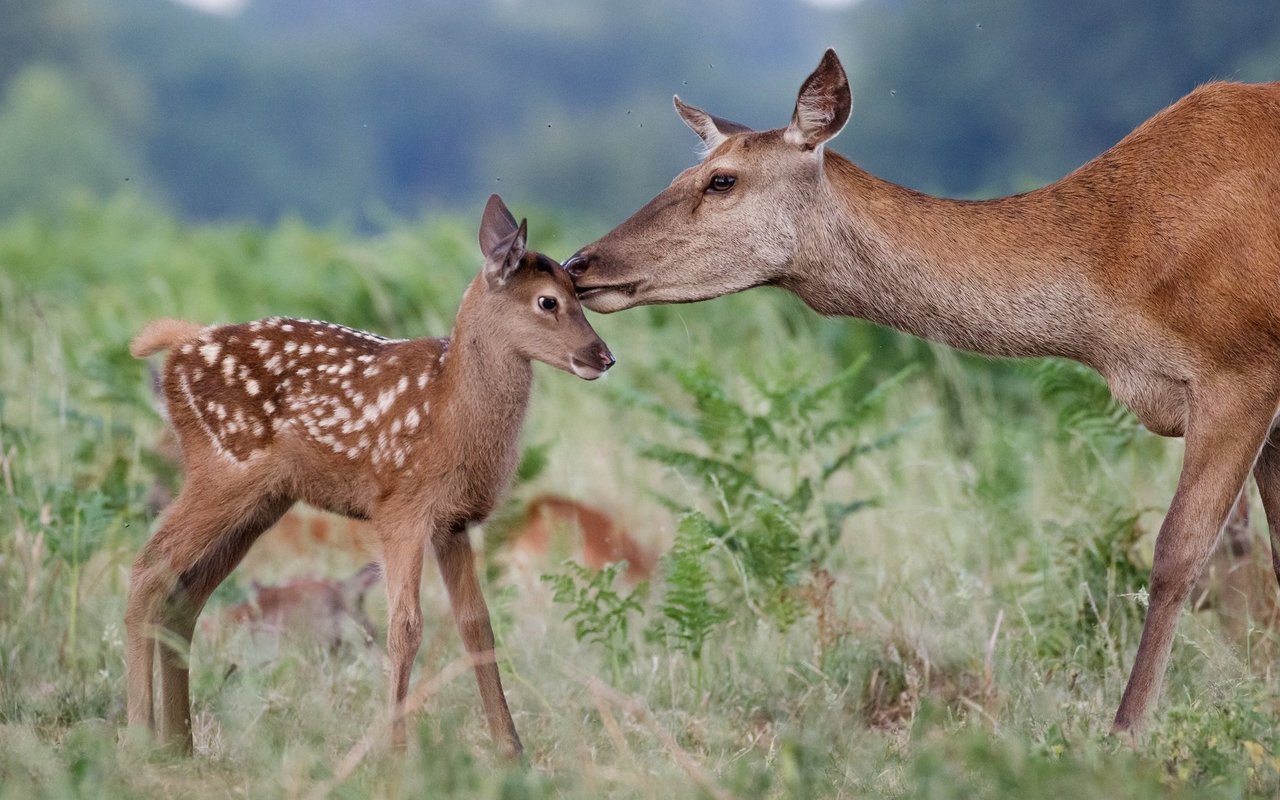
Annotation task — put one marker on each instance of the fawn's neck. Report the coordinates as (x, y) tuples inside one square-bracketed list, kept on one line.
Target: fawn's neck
[(1004, 277), (486, 380)]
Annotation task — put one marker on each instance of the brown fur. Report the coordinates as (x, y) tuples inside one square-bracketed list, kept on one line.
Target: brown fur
[(1157, 264), (597, 538), (420, 437)]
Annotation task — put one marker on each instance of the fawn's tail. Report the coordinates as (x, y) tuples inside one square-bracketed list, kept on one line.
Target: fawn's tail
[(162, 334)]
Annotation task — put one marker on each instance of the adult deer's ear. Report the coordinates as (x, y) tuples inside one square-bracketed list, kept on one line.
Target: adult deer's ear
[(822, 107), (711, 129), (503, 242)]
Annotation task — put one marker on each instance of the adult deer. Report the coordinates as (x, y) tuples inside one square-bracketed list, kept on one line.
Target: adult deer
[(1157, 264), (418, 436)]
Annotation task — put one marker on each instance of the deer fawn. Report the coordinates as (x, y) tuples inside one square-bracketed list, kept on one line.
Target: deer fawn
[(319, 610), (418, 436), (1157, 264)]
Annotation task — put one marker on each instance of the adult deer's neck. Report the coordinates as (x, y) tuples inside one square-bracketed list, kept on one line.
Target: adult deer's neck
[(1005, 277)]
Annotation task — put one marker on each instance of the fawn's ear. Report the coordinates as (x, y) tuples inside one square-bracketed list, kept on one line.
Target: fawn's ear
[(711, 129), (503, 242), (822, 107)]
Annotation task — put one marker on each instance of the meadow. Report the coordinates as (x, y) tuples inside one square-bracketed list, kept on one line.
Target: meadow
[(891, 570)]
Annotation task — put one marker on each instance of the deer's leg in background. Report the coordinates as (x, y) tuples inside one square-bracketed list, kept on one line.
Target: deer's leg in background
[(1231, 555), (1267, 474)]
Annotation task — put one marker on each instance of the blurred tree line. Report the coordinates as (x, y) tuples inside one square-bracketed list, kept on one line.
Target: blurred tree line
[(367, 111)]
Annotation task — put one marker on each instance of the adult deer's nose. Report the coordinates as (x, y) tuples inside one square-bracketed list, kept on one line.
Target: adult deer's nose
[(576, 266)]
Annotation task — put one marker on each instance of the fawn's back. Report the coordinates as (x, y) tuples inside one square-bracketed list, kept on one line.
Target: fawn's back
[(342, 392)]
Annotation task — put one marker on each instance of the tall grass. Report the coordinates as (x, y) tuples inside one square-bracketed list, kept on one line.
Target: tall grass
[(923, 586)]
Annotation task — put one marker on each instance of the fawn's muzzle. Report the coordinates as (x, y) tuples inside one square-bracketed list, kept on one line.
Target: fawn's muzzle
[(592, 362)]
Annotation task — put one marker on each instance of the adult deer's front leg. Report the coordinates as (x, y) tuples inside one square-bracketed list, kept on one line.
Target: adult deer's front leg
[(457, 565), (1224, 433)]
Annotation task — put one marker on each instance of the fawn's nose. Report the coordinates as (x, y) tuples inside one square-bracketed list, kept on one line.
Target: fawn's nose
[(577, 264), (606, 358)]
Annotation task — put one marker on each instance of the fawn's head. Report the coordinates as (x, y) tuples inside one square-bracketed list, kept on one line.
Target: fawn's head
[(533, 300), (732, 222)]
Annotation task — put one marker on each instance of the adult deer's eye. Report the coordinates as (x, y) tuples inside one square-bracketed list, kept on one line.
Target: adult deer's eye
[(721, 183), (547, 303)]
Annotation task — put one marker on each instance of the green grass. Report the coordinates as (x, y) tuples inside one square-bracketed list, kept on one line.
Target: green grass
[(972, 641)]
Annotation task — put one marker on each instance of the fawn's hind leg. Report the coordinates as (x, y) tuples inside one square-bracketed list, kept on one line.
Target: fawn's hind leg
[(183, 606), (204, 511)]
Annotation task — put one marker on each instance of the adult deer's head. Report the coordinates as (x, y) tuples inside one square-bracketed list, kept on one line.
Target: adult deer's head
[(732, 222)]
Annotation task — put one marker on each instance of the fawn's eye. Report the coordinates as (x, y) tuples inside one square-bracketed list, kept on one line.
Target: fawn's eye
[(547, 303), (721, 183)]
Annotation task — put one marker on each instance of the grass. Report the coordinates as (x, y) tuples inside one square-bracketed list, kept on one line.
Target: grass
[(966, 634)]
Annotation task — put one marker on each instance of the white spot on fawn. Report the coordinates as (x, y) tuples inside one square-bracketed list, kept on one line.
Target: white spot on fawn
[(251, 387), (210, 353), (385, 399)]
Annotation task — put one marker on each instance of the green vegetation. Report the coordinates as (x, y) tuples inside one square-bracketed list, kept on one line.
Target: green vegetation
[(877, 583)]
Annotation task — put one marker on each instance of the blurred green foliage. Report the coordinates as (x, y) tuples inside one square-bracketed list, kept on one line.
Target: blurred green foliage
[(368, 112)]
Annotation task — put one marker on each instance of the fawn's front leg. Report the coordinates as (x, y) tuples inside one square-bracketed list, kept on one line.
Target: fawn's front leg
[(402, 556), (457, 564)]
